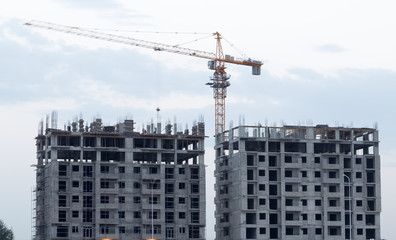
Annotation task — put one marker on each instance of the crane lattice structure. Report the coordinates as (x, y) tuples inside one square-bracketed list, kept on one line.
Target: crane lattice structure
[(219, 81)]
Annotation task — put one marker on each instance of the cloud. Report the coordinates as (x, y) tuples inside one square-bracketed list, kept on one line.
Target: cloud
[(47, 76), (89, 4), (330, 48), (240, 100), (42, 105), (73, 79), (104, 93), (388, 158), (15, 38), (305, 75), (362, 96)]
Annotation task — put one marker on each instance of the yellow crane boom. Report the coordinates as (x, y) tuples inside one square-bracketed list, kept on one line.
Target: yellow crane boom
[(219, 81)]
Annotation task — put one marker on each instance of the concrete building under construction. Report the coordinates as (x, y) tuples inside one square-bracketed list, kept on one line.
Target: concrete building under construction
[(110, 182), (297, 182)]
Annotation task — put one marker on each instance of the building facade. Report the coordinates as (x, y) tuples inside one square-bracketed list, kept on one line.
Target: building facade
[(297, 182), (110, 182)]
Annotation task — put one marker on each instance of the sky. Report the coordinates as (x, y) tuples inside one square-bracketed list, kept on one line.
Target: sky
[(325, 62)]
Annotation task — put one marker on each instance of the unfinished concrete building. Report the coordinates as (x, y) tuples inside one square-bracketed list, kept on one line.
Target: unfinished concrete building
[(297, 182), (110, 182)]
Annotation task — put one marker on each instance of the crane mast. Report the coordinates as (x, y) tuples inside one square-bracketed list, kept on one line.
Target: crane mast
[(220, 85), (219, 81)]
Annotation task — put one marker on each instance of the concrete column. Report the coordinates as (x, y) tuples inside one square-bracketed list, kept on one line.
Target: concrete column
[(128, 150), (242, 132)]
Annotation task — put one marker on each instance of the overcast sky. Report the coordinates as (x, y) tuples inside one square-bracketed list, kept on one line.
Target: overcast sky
[(325, 62)]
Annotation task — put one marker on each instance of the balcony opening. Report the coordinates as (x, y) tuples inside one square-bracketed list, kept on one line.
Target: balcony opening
[(273, 218), (273, 233), (272, 161), (251, 233), (273, 146), (251, 218), (370, 220)]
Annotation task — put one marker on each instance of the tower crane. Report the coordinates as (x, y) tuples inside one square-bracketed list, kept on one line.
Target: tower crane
[(219, 82)]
